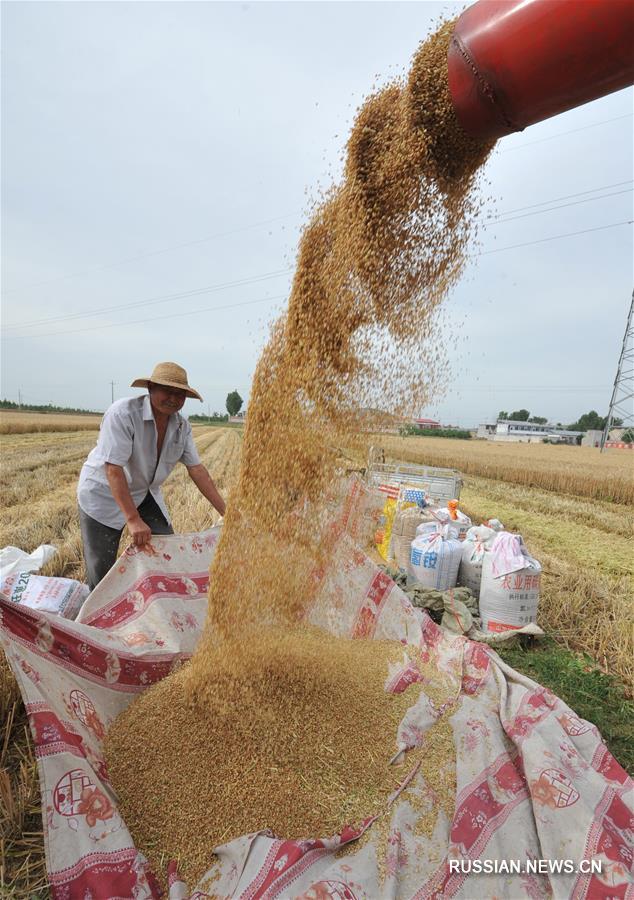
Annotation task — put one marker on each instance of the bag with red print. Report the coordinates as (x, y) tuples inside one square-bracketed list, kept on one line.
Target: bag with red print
[(60, 596)]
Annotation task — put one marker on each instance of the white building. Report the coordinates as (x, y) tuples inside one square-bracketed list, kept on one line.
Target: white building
[(592, 438), (527, 432)]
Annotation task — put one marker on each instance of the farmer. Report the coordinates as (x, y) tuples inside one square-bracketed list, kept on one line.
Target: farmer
[(140, 441)]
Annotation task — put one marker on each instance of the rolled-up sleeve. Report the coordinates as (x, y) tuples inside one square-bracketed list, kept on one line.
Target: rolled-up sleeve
[(190, 455), (116, 437)]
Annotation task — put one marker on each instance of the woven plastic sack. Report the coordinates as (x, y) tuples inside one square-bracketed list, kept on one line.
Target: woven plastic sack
[(478, 541), (435, 558), (60, 596), (510, 587), (13, 559), (406, 522), (462, 522)]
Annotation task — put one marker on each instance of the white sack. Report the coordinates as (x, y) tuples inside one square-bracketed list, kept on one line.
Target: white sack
[(435, 557), (461, 523), (509, 591), (478, 540), (61, 596), (13, 560)]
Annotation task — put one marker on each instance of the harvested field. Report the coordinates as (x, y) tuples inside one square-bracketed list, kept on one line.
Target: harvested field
[(40, 474), (544, 492), (580, 471), (43, 474), (586, 592), (32, 423)]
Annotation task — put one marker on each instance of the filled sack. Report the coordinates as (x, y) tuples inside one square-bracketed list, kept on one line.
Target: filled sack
[(435, 556), (478, 541), (61, 596), (458, 520), (510, 586), (406, 521)]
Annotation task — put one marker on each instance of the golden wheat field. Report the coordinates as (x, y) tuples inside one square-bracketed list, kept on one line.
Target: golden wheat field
[(15, 422), (574, 508), (581, 471), (38, 478)]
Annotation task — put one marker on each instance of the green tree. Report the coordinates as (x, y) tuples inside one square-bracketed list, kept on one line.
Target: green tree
[(592, 421), (628, 436), (234, 403), (520, 415), (538, 420), (503, 414)]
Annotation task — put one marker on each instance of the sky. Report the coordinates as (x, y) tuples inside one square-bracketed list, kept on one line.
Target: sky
[(157, 163)]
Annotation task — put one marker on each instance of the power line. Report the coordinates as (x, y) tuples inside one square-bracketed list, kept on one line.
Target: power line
[(555, 237), (546, 387), (209, 289), (563, 133), (499, 220), (191, 312), (525, 387), (267, 275), (264, 222), (538, 212), (150, 253), (605, 187)]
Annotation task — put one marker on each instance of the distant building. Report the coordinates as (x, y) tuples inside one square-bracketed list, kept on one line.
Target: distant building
[(592, 438), (526, 432), (427, 423), (239, 418), (486, 430)]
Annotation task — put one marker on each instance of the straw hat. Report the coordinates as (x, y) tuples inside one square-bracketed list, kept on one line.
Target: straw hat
[(168, 374)]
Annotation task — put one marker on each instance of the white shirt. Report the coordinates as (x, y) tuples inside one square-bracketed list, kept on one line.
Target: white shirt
[(127, 438)]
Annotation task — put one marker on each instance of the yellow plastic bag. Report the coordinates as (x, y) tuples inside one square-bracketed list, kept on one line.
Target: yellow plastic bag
[(384, 532)]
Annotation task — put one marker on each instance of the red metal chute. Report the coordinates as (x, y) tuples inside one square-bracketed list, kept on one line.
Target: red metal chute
[(516, 62)]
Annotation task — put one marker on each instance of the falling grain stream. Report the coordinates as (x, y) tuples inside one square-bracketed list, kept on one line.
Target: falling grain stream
[(245, 736)]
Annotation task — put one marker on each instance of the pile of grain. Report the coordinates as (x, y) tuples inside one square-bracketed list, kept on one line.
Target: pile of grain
[(297, 737), (377, 258)]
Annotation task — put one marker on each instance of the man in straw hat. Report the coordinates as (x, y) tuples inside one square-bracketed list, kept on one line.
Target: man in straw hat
[(140, 441)]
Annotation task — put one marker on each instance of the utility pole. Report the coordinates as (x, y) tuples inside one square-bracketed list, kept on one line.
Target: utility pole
[(622, 400), (19, 399), (112, 384)]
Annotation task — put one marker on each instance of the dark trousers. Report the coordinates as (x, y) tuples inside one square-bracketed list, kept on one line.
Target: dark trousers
[(101, 543)]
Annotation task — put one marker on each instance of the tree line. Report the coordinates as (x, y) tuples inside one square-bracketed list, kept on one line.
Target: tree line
[(407, 430), (233, 404), (49, 408)]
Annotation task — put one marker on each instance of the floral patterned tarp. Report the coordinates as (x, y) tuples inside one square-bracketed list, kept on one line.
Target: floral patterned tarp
[(534, 782)]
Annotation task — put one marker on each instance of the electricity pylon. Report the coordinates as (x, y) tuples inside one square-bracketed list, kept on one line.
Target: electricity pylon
[(622, 402)]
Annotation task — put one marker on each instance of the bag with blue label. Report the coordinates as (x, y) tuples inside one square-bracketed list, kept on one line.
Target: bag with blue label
[(435, 556)]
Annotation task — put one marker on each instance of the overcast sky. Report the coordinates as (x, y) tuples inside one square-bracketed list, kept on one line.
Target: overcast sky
[(165, 151)]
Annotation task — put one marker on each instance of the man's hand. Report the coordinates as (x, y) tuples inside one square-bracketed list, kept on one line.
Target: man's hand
[(140, 533)]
